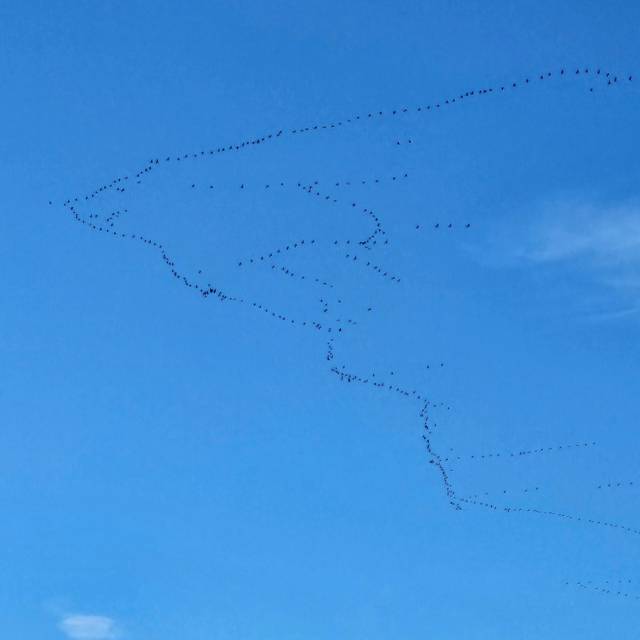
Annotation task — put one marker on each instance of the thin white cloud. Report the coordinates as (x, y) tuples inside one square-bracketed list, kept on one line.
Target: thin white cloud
[(587, 245), (88, 627), (603, 236), (599, 242)]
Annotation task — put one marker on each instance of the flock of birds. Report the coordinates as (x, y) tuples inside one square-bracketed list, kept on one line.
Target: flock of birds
[(357, 252)]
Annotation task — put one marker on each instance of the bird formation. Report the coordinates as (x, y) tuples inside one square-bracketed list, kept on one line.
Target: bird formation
[(356, 253)]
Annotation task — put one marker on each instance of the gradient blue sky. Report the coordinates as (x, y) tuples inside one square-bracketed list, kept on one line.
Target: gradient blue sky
[(172, 467)]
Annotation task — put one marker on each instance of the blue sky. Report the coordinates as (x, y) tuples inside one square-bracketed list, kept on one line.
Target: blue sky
[(176, 466)]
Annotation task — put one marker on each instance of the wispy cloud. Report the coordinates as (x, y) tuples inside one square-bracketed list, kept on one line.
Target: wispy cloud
[(604, 236), (88, 627), (598, 241)]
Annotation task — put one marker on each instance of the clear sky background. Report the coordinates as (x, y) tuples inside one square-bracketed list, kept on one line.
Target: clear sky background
[(176, 467)]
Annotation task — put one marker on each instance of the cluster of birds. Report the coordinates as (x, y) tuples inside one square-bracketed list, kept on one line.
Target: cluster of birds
[(355, 252), (329, 355)]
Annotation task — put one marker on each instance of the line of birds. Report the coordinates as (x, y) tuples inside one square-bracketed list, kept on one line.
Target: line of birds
[(436, 460), (345, 376), (300, 183), (524, 452), (299, 244), (450, 225), (599, 487), (554, 514), (292, 274)]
